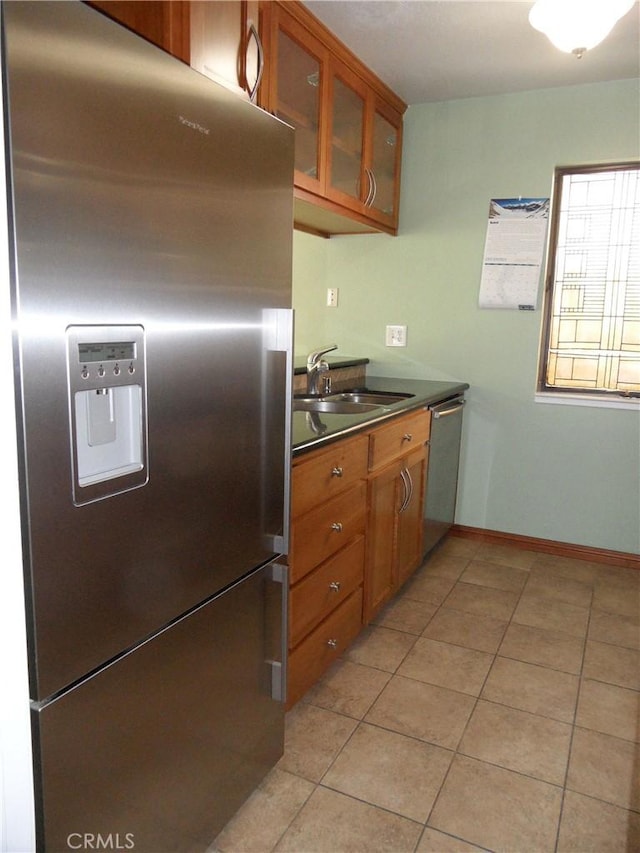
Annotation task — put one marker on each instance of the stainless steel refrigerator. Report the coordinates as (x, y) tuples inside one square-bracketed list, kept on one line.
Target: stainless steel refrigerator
[(151, 228)]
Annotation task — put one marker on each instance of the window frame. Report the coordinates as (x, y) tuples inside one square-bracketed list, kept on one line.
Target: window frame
[(542, 388)]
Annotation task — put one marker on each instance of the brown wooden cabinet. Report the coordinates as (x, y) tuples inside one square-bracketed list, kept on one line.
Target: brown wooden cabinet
[(219, 38), (356, 537), (398, 464), (326, 558), (226, 44), (163, 22), (348, 125)]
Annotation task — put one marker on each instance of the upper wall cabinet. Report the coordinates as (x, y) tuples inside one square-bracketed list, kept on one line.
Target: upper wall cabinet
[(163, 22), (348, 125), (226, 45), (219, 38)]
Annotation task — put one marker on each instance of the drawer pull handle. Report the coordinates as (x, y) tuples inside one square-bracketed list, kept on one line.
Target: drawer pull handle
[(336, 472), (333, 643), (335, 585), (337, 527), (407, 437)]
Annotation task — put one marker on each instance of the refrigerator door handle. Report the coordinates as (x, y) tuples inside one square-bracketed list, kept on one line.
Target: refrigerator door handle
[(278, 573), (279, 325)]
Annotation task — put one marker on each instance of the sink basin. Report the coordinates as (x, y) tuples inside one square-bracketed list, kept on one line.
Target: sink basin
[(332, 406), (376, 398), (347, 402)]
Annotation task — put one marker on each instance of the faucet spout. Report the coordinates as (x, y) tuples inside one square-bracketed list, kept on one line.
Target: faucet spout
[(314, 357), (317, 366)]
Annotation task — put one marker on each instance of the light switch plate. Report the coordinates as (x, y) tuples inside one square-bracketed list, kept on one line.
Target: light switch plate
[(396, 336)]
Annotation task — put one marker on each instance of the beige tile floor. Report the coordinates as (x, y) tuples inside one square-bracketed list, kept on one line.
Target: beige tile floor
[(494, 705)]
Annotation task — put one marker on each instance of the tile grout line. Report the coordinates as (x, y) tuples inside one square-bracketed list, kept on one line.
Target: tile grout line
[(573, 723), (456, 752)]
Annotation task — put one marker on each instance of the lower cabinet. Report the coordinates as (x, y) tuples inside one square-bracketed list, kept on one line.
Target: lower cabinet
[(323, 646), (356, 536), (326, 558), (398, 465)]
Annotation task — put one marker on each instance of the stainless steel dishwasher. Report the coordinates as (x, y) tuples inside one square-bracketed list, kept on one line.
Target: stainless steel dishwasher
[(442, 473)]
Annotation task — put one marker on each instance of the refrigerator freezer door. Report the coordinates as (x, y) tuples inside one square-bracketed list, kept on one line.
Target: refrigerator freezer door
[(146, 195), (163, 746)]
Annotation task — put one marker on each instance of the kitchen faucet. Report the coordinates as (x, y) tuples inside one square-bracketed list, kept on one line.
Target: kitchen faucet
[(316, 367)]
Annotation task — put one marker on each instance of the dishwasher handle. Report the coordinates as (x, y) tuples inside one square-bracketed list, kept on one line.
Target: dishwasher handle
[(450, 407)]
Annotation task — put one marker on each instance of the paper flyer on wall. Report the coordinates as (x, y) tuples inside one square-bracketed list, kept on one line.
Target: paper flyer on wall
[(513, 252)]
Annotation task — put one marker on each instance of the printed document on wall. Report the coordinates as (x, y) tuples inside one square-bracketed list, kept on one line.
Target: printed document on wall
[(513, 253)]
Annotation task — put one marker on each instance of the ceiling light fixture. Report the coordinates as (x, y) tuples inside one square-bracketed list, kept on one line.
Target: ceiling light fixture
[(576, 26)]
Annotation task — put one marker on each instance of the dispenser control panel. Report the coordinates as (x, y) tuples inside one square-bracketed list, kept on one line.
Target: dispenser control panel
[(107, 410), (99, 363)]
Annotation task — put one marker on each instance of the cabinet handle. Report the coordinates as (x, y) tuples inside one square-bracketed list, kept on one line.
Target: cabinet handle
[(336, 472), (367, 201), (405, 499), (253, 33), (407, 436), (375, 187), (335, 585), (337, 526), (405, 474), (332, 642)]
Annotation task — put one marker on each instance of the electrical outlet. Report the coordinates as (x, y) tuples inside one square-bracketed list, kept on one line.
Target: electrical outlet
[(332, 297), (396, 336)]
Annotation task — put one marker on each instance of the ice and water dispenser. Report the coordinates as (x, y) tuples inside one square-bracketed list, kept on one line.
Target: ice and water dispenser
[(107, 407)]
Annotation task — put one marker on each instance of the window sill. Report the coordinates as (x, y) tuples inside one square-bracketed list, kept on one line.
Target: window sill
[(560, 398)]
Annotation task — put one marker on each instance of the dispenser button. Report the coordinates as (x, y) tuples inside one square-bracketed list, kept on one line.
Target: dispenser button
[(101, 371), (84, 373), (132, 369), (116, 370)]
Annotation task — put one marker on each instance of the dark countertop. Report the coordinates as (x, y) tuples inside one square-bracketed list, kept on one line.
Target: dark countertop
[(310, 431)]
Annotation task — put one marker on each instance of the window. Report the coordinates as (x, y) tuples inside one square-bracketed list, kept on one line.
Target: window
[(591, 331)]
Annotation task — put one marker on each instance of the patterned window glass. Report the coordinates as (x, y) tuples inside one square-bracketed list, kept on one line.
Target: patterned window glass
[(593, 324)]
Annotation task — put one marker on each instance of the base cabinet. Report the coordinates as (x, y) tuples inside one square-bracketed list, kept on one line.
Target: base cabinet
[(309, 660), (326, 558), (398, 464), (356, 537)]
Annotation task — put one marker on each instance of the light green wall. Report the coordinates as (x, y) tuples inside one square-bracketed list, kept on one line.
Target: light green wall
[(565, 473)]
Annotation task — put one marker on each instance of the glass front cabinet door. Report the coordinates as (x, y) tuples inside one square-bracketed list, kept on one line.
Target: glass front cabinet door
[(365, 133), (346, 182), (348, 130), (296, 96), (384, 162)]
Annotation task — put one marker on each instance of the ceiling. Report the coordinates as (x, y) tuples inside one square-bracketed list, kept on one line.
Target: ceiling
[(437, 50)]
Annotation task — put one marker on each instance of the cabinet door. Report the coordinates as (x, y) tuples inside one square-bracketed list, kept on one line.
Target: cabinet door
[(225, 43), (384, 502), (409, 534), (163, 22), (383, 162), (296, 91), (345, 168)]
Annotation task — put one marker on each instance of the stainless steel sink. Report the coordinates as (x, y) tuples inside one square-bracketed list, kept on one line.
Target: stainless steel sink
[(332, 406), (377, 398), (348, 402)]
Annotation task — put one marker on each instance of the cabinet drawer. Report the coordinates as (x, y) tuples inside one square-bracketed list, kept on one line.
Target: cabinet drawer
[(321, 475), (322, 590), (398, 437), (323, 646), (324, 531)]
